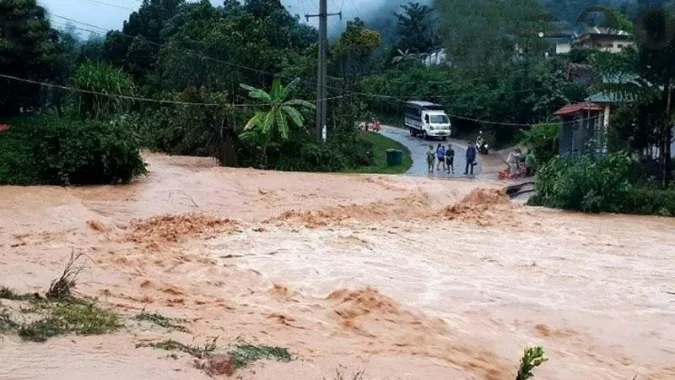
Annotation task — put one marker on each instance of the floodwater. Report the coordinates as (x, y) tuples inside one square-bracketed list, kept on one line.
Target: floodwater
[(406, 278)]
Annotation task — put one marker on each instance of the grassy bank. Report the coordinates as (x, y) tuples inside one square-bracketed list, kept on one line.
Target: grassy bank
[(380, 146)]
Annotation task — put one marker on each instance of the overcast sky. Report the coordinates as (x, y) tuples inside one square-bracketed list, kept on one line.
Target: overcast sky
[(110, 14)]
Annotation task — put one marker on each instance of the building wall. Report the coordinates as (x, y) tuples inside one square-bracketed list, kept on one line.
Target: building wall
[(612, 45), (577, 133), (563, 48)]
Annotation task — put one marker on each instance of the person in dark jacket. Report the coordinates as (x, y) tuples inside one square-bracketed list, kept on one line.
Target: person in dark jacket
[(470, 158), (450, 159)]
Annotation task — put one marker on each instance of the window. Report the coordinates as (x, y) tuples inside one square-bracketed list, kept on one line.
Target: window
[(439, 119), (426, 119)]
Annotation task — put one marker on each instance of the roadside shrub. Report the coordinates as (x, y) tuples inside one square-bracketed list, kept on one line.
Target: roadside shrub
[(309, 156), (60, 151), (647, 201), (543, 140), (595, 186), (585, 185)]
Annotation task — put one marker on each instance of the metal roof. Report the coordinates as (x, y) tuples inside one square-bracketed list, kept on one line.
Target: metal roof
[(572, 109), (606, 97)]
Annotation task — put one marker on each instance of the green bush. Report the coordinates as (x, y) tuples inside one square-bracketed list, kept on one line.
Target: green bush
[(648, 201), (543, 140), (595, 186), (585, 185), (59, 151), (310, 156)]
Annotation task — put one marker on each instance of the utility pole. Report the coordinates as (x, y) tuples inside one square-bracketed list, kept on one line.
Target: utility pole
[(321, 91)]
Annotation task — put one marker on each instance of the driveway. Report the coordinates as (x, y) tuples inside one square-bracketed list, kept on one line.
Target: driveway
[(418, 151)]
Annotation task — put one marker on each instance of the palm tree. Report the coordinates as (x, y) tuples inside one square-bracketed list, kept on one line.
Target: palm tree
[(267, 124)]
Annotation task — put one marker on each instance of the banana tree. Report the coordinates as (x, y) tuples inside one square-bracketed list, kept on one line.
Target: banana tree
[(406, 57), (273, 121)]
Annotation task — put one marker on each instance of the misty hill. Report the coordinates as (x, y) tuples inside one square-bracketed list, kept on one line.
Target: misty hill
[(382, 19)]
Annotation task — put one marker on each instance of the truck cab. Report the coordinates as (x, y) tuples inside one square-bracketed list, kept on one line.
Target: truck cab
[(427, 120)]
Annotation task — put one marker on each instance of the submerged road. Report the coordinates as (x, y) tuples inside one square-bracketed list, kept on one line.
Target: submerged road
[(418, 151)]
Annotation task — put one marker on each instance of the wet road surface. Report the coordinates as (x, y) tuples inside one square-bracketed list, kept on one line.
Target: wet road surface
[(418, 150)]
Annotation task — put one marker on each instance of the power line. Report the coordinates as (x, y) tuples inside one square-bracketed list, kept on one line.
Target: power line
[(243, 67), (358, 12), (199, 54), (396, 97), (174, 102), (140, 99), (467, 118), (112, 5), (170, 47)]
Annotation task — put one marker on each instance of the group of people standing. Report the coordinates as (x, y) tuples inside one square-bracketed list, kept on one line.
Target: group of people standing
[(443, 158)]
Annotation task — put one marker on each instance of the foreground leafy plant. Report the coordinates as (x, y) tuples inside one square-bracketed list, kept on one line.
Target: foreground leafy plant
[(6, 322), (9, 294), (244, 354), (63, 317), (60, 289), (160, 320), (358, 375), (199, 352), (59, 313), (532, 357)]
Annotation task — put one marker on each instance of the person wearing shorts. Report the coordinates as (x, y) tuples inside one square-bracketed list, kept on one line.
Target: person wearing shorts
[(450, 159)]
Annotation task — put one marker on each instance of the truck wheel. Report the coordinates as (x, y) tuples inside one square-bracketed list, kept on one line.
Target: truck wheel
[(412, 132), (425, 136)]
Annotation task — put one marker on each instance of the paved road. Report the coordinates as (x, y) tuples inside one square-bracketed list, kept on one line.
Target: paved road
[(418, 150)]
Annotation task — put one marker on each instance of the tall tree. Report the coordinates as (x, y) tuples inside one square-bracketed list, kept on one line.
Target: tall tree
[(28, 49), (415, 28), (136, 48), (355, 48)]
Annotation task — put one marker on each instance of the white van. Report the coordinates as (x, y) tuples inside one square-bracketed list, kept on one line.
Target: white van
[(427, 120)]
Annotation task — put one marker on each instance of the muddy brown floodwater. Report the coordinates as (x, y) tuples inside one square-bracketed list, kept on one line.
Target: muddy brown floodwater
[(406, 278)]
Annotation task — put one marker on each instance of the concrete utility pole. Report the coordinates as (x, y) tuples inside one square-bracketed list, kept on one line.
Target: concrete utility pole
[(321, 91)]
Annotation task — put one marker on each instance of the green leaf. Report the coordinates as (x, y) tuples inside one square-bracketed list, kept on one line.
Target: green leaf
[(254, 121), (267, 122), (296, 116), (299, 102), (277, 92), (282, 124), (257, 93), (290, 88), (249, 136)]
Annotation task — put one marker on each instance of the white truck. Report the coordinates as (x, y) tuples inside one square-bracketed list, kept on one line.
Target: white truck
[(427, 120)]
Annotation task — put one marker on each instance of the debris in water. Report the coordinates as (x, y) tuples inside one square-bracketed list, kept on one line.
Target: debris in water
[(157, 231)]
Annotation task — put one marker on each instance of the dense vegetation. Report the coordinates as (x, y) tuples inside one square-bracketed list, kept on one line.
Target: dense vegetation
[(237, 82), (636, 177), (179, 77)]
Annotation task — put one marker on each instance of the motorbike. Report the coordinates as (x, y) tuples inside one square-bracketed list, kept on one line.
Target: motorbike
[(482, 145)]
